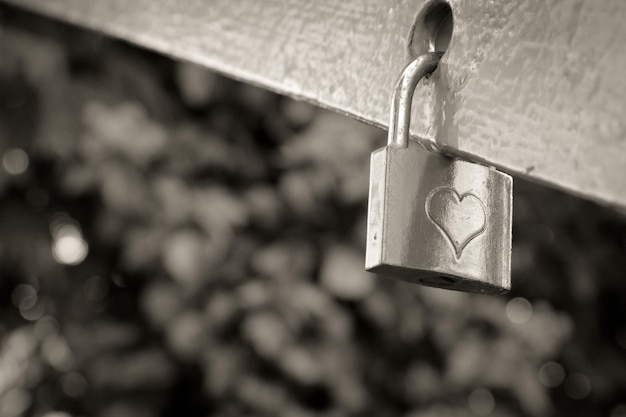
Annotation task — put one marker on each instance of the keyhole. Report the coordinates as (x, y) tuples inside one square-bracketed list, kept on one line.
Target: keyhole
[(432, 30), (438, 281)]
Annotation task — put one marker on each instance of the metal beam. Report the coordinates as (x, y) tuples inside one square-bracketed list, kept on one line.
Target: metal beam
[(533, 87)]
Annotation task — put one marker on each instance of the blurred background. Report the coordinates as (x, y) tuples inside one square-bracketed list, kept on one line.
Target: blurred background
[(175, 243)]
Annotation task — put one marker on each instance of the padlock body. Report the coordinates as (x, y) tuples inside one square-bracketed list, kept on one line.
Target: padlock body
[(439, 221)]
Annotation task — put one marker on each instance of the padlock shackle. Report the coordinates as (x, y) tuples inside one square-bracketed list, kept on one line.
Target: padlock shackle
[(400, 119)]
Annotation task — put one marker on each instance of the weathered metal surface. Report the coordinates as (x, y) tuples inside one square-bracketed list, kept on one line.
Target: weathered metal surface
[(534, 87)]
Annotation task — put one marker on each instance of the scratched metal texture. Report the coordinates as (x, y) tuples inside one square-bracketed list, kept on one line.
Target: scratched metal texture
[(533, 87)]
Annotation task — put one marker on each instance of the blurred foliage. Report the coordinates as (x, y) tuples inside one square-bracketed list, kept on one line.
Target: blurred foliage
[(175, 243)]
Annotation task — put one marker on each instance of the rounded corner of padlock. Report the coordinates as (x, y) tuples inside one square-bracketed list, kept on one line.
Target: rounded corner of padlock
[(377, 153), (379, 268), (371, 267), (507, 178), (491, 289)]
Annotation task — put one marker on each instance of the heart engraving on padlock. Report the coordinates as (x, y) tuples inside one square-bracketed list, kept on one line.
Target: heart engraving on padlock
[(459, 218)]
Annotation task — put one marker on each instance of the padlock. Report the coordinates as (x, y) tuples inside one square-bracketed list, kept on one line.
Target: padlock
[(433, 219)]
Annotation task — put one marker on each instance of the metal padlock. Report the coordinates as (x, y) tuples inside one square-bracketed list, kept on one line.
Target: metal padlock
[(433, 219)]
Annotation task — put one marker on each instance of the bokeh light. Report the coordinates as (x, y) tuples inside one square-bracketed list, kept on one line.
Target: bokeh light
[(15, 161), (481, 402), (551, 374), (69, 250), (519, 310), (68, 246), (24, 296), (577, 386)]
